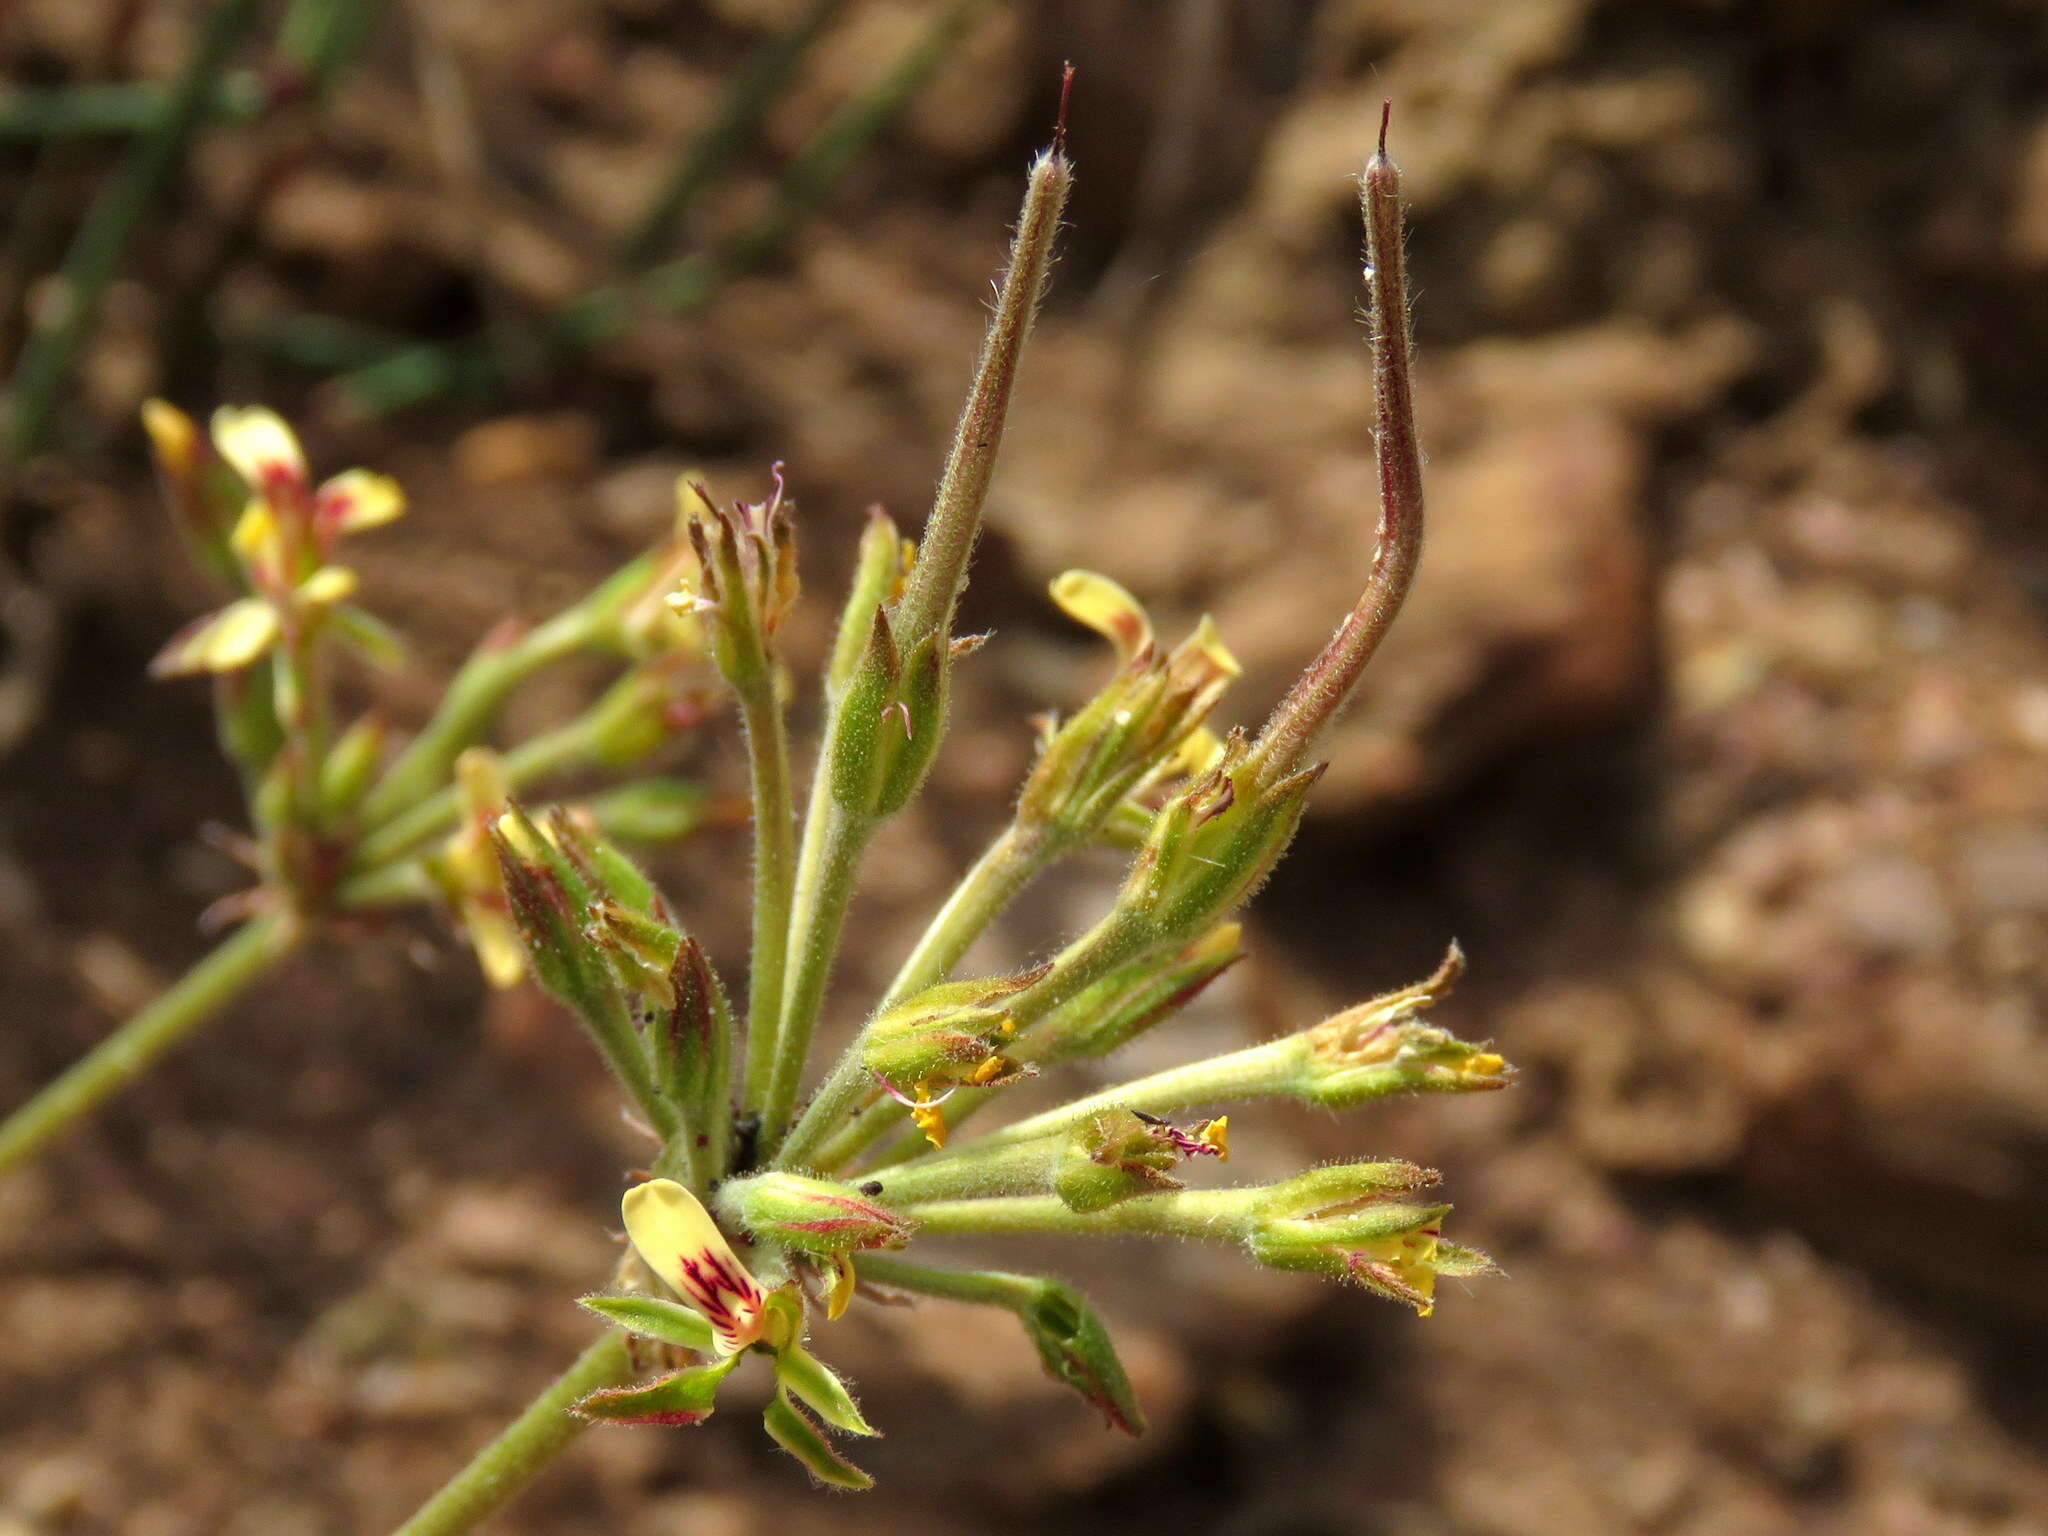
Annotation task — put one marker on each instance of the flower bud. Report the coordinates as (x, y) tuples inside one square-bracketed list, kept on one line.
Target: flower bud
[(692, 1049), (1134, 998), (1212, 844), (814, 1216), (1382, 1047), (1137, 729), (1117, 1153), (645, 709), (745, 581), (946, 1035), (1393, 1249), (595, 931), (886, 726), (661, 810)]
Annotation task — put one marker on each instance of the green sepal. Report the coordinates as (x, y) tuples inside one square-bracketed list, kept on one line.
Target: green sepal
[(692, 1046), (789, 1427), (683, 1398), (368, 636), (814, 1216), (1134, 998), (653, 1317), (245, 718), (350, 766), (1213, 844), (878, 570), (548, 896), (652, 810), (641, 951), (803, 1373), (1075, 1348)]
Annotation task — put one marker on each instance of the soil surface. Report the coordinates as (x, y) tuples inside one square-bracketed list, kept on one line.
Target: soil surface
[(1716, 731)]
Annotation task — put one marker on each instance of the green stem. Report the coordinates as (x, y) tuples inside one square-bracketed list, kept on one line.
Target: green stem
[(977, 1173), (623, 1048), (567, 746), (987, 1287), (826, 875), (151, 161), (400, 884), (472, 701), (1211, 1213), (192, 1002), (1256, 1072), (774, 880), (1115, 940), (526, 1446), (845, 1089), (1010, 863)]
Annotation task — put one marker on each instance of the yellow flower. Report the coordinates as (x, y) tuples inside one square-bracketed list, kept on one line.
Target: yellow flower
[(263, 450), (680, 1242)]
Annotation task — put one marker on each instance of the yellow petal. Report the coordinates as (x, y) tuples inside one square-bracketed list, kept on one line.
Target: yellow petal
[(680, 1242), (357, 499), (255, 540), (1104, 607), (495, 938), (1217, 1134), (1209, 642), (1196, 754), (225, 641), (481, 783), (259, 446), (840, 1293), (173, 435), (327, 586)]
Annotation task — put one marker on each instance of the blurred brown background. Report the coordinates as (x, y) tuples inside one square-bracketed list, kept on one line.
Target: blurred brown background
[(1717, 731)]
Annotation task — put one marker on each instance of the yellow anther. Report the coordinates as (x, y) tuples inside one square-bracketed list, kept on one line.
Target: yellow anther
[(931, 1119)]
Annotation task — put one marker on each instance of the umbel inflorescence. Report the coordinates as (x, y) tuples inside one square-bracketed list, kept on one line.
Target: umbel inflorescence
[(775, 1199), (768, 1208)]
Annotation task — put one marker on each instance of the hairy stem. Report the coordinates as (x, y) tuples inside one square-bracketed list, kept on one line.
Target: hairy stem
[(825, 883), (1324, 689), (526, 1446), (195, 1000), (1114, 941), (467, 709), (407, 833), (774, 879), (955, 521), (1212, 1213), (988, 1287), (1008, 865)]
